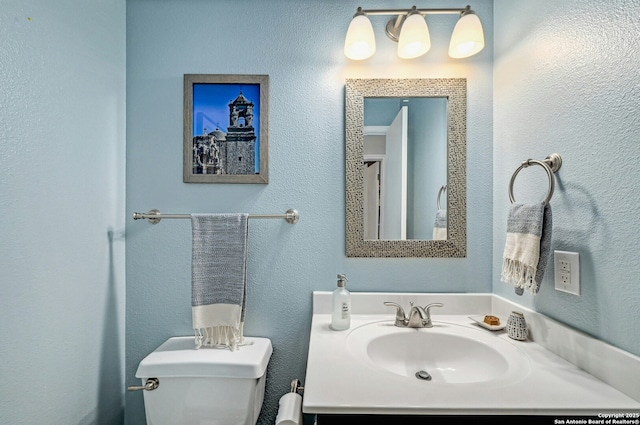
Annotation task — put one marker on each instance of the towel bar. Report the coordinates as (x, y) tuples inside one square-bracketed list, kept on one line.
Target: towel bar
[(154, 216), (551, 164)]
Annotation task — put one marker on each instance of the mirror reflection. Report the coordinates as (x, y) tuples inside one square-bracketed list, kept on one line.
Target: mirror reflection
[(405, 168)]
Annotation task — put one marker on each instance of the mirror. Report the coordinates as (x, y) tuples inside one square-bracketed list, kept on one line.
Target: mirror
[(406, 167)]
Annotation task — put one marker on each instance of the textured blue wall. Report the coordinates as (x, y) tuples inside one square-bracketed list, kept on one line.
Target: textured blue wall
[(62, 159), (299, 45), (566, 81)]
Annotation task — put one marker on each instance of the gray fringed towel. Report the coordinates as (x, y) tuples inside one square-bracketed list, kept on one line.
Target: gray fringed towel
[(440, 225), (218, 278), (527, 246)]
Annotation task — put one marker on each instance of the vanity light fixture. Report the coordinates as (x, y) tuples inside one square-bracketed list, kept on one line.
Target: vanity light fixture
[(360, 42), (414, 40), (409, 28)]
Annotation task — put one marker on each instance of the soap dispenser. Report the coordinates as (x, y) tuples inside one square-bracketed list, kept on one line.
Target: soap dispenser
[(341, 311)]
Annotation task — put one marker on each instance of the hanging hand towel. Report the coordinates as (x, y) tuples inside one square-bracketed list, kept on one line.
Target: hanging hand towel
[(440, 226), (218, 278), (527, 247)]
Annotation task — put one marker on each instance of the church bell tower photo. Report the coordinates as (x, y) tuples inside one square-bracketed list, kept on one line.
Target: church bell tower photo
[(225, 128)]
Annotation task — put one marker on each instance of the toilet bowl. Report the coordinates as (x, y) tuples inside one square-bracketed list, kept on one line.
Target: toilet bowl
[(208, 386)]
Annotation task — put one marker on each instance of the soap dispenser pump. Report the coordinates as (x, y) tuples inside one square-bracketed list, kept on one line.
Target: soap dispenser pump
[(341, 311)]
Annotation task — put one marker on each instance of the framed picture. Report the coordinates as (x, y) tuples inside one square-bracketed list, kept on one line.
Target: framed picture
[(226, 128)]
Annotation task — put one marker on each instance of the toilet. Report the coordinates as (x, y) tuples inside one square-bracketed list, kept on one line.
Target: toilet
[(208, 386)]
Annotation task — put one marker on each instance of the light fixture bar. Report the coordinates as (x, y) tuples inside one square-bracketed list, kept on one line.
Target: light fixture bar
[(404, 12), (392, 30), (411, 34)]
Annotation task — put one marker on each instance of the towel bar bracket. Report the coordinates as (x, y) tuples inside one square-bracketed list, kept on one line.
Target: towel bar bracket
[(152, 220), (554, 161), (292, 216)]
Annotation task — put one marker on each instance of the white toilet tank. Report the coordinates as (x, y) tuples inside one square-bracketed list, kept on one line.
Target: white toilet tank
[(208, 386)]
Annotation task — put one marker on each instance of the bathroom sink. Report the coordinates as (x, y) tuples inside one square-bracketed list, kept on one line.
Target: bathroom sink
[(446, 354), (370, 369)]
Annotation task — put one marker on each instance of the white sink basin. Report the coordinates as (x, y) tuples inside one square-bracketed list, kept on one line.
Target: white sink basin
[(446, 354), (370, 368)]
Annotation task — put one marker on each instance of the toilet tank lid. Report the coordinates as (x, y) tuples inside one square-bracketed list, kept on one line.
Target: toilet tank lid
[(178, 357)]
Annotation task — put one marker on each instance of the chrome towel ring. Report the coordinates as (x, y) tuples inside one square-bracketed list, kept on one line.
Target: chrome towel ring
[(551, 164), (442, 189)]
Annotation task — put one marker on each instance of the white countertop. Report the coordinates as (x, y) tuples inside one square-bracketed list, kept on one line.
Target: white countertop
[(338, 383)]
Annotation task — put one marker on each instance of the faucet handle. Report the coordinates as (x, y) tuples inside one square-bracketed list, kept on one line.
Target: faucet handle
[(401, 319), (427, 322), (428, 307)]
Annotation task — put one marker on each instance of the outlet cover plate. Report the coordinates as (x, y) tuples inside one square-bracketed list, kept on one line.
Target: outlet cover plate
[(567, 271)]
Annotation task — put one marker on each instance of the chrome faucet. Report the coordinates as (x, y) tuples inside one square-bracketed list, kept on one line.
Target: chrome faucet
[(419, 317)]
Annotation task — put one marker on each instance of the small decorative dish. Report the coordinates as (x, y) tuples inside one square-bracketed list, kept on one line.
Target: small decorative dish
[(480, 321)]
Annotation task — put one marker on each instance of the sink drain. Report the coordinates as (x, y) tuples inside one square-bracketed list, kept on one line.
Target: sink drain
[(424, 375)]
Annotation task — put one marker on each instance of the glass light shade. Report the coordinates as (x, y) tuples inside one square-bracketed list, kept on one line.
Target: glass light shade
[(414, 38), (360, 42), (467, 38)]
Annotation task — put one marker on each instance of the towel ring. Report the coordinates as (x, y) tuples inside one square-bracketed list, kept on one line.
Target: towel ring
[(442, 189), (551, 164)]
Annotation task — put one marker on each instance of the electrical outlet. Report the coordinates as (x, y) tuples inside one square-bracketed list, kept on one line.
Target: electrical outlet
[(567, 271)]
